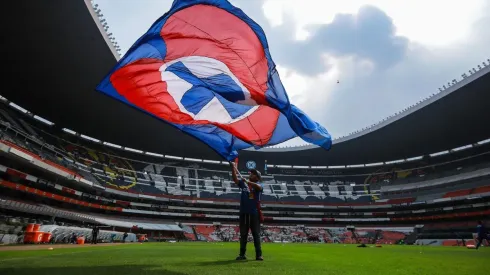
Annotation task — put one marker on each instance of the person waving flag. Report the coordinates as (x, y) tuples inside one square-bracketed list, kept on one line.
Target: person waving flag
[(250, 209), (205, 68)]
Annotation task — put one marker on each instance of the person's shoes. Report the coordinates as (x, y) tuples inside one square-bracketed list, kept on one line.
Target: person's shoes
[(241, 258), (260, 258)]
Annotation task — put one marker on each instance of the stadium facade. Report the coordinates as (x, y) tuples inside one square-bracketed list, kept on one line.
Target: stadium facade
[(74, 156)]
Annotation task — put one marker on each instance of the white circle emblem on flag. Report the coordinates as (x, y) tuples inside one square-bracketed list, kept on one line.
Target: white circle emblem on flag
[(204, 67)]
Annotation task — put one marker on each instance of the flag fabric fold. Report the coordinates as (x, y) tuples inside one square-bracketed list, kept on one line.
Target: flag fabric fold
[(205, 68)]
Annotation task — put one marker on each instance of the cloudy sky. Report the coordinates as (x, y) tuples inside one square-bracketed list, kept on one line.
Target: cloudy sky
[(386, 54)]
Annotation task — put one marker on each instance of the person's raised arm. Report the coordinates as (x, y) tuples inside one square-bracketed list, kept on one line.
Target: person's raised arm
[(233, 173), (255, 185)]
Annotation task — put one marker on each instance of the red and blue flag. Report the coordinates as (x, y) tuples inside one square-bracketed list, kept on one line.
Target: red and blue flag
[(205, 68)]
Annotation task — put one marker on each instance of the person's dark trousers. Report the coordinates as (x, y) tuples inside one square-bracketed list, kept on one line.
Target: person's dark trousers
[(250, 222), (480, 240)]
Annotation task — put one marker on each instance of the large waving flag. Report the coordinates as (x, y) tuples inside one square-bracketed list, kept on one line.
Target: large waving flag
[(205, 68)]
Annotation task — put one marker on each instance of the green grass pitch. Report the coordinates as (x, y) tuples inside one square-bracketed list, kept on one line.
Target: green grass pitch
[(218, 258)]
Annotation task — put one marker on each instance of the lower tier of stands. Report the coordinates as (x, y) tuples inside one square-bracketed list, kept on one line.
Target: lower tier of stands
[(302, 234), (433, 234)]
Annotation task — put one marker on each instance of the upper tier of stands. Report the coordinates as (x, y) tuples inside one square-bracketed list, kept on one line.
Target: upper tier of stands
[(429, 177)]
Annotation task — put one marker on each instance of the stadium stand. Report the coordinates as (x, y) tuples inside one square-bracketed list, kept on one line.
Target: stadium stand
[(49, 173)]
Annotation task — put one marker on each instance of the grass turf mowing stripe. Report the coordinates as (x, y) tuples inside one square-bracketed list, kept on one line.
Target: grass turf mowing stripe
[(7, 256), (218, 258)]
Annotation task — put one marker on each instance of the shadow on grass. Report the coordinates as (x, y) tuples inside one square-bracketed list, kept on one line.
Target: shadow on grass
[(89, 270), (225, 262)]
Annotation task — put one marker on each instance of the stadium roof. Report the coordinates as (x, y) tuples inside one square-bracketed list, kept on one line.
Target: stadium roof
[(56, 56)]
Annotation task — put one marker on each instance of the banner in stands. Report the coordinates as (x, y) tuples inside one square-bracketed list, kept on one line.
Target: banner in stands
[(88, 196), (247, 164)]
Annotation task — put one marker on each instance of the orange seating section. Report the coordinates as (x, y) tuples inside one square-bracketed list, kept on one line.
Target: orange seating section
[(483, 189), (205, 231), (458, 193)]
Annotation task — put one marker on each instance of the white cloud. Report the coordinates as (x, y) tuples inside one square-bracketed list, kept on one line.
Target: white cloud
[(433, 22), (443, 44)]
